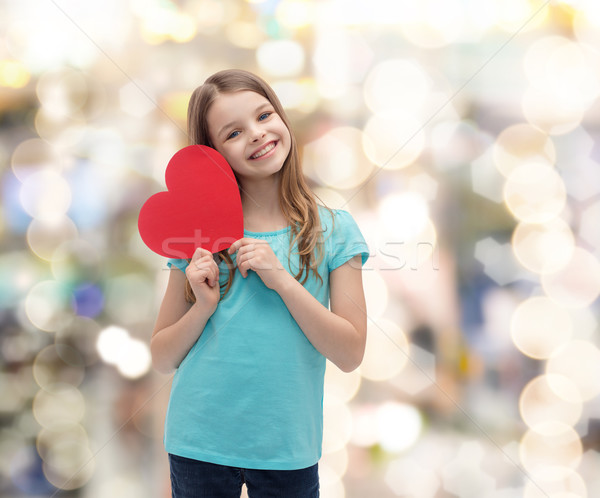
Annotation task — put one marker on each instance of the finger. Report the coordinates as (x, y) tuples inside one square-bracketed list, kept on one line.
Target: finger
[(235, 246), (200, 252)]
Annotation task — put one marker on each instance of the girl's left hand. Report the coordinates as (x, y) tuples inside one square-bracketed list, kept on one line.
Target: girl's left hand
[(257, 255)]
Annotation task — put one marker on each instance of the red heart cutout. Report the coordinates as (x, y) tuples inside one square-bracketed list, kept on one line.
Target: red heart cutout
[(202, 207)]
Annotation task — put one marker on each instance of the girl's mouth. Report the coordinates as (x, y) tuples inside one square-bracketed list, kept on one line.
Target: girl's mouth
[(264, 151)]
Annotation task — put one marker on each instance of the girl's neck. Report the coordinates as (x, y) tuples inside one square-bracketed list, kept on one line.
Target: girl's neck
[(261, 207)]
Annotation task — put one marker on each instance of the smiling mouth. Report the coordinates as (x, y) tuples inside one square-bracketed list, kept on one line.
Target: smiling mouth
[(265, 150)]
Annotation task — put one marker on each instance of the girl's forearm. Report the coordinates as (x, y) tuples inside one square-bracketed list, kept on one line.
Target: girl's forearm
[(332, 335), (170, 345)]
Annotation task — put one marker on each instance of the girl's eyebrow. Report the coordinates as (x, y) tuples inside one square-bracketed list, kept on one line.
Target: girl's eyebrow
[(234, 122)]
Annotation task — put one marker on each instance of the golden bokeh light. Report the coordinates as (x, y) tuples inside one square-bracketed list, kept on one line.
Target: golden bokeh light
[(58, 364), (399, 84), (579, 362), (34, 155), (62, 92), (399, 426), (550, 444), (337, 425), (386, 352), (13, 74), (69, 464), (549, 115), (433, 23), (296, 14), (543, 248), (539, 327), (534, 192), (555, 482), (48, 305), (520, 15), (337, 159), (57, 405), (576, 284), (281, 58), (539, 403), (341, 385), (45, 194), (393, 140), (521, 142), (45, 236)]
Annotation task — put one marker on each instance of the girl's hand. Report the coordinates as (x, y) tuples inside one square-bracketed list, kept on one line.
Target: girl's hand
[(257, 255), (203, 274)]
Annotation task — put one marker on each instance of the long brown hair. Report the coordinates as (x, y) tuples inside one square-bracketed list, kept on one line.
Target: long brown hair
[(295, 197)]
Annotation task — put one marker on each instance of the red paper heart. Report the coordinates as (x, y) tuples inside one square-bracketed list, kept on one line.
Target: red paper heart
[(202, 207)]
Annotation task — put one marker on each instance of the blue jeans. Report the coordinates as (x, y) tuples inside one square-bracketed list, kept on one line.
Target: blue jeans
[(197, 479)]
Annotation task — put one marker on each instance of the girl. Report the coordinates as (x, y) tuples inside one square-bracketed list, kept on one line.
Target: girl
[(248, 330)]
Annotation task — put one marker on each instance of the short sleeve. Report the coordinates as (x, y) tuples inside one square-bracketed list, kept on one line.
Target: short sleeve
[(178, 263), (345, 241)]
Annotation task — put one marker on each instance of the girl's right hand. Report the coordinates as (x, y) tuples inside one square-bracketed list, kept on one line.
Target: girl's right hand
[(203, 275)]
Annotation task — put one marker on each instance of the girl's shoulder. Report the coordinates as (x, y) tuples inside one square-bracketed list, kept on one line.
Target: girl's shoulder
[(334, 219)]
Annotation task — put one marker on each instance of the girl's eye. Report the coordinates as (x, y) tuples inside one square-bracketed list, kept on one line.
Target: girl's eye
[(264, 116), (233, 134)]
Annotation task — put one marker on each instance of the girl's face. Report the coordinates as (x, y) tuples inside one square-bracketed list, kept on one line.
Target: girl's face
[(245, 129)]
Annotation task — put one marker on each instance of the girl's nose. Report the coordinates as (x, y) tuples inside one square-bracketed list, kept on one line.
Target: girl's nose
[(257, 134)]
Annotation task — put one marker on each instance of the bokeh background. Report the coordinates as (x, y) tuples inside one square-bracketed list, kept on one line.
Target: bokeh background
[(462, 136)]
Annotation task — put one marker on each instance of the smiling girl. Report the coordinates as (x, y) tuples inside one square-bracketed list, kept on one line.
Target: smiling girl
[(248, 331)]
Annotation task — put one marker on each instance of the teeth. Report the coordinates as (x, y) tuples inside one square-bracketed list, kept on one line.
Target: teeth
[(263, 151)]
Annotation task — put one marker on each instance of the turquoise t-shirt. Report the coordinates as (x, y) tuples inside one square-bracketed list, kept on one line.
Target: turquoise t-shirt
[(249, 393)]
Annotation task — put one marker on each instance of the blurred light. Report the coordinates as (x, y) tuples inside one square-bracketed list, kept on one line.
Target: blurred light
[(13, 74), (588, 225), (520, 15), (534, 192), (162, 21), (281, 58), (393, 139), (425, 185), (404, 216), (45, 195), (364, 426), (399, 84), (555, 482), (550, 444), (331, 198), (544, 111), (62, 92), (433, 23), (341, 385), (586, 22), (81, 333), (44, 236), (93, 194), (418, 374), (337, 425), (88, 300), (456, 143), (58, 364), (111, 341), (406, 477), (129, 298), (130, 356), (49, 437), (244, 34), (465, 475), (18, 273), (543, 248), (519, 143), (34, 155), (77, 262), (386, 352), (69, 464), (337, 158), (579, 362), (60, 404), (539, 403), (135, 100), (48, 305), (301, 95), (123, 483), (576, 284), (336, 461), (376, 293), (498, 261), (62, 132), (398, 426), (295, 14), (539, 327), (340, 58), (23, 467), (564, 69)]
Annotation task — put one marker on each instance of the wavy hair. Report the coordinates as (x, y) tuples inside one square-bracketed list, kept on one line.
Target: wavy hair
[(296, 200)]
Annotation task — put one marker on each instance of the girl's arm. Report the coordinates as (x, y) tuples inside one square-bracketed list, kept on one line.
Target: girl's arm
[(340, 334), (180, 323)]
